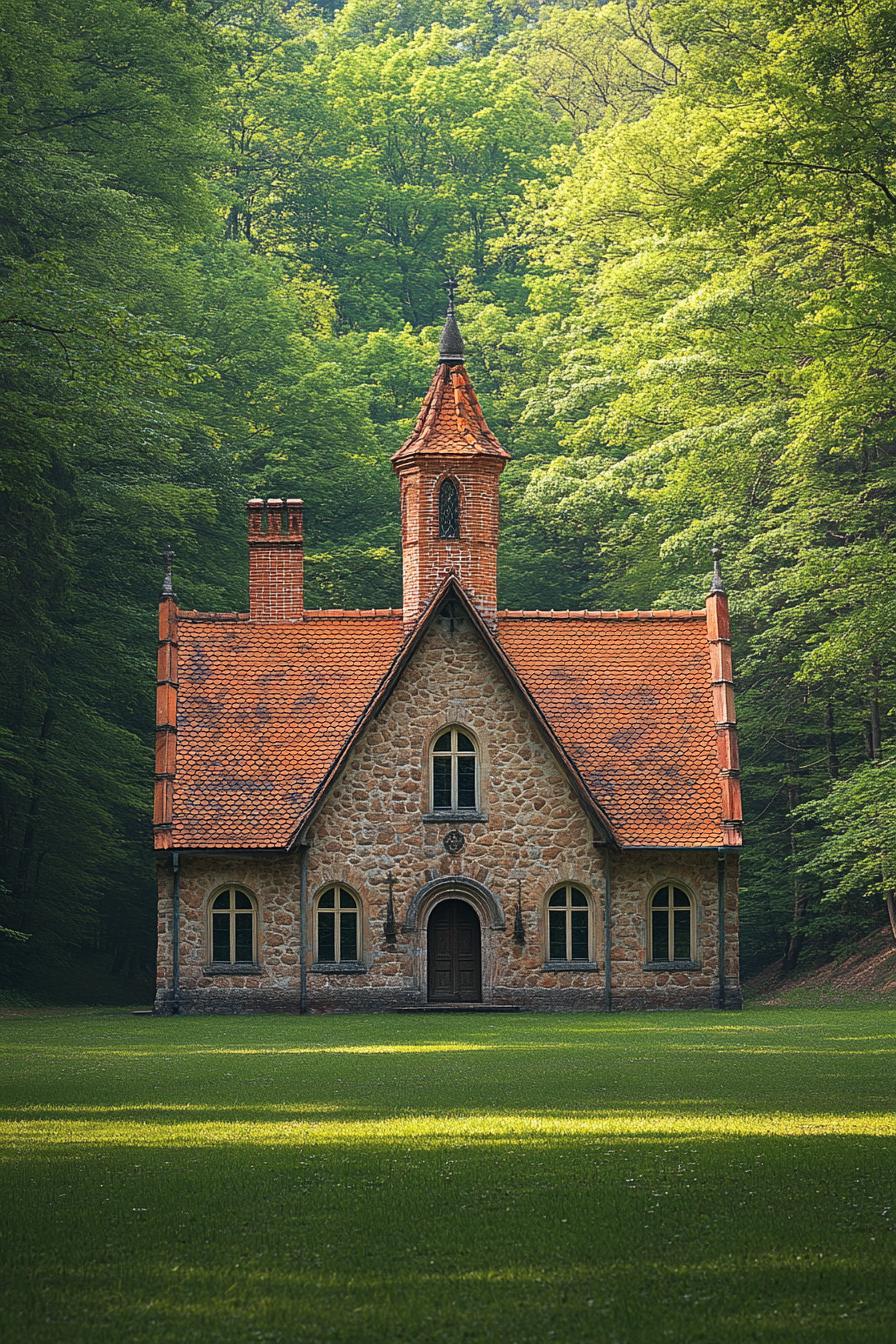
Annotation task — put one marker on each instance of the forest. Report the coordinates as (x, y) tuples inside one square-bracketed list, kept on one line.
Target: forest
[(226, 228)]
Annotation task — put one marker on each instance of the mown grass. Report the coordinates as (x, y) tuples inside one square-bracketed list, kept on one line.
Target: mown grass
[(679, 1177)]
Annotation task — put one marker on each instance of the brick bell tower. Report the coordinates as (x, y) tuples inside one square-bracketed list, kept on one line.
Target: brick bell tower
[(448, 472)]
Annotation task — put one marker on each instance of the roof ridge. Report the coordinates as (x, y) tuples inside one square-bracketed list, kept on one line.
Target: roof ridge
[(313, 613), (647, 614)]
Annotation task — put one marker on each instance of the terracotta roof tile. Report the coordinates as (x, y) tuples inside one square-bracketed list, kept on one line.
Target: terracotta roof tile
[(628, 694), (263, 711), (451, 420)]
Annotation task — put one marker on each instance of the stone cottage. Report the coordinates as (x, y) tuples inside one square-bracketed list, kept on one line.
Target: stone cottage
[(443, 804)]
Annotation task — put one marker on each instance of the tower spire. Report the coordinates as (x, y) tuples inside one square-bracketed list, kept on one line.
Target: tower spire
[(451, 343)]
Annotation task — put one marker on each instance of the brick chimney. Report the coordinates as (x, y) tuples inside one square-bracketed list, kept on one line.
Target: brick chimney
[(276, 569)]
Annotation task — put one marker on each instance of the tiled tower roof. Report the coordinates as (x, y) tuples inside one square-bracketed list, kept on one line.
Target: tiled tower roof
[(451, 422)]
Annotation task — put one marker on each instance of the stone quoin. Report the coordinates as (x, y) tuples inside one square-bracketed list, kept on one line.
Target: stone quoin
[(446, 803)]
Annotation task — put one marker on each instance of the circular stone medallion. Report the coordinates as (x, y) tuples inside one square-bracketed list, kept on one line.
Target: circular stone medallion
[(454, 842)]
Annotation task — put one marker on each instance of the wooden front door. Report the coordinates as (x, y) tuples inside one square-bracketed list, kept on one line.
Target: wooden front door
[(454, 954)]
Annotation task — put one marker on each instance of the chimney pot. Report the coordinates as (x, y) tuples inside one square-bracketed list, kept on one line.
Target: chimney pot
[(276, 561)]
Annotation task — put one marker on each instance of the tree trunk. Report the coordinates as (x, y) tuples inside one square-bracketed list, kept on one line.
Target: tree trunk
[(797, 935), (874, 713), (891, 911), (831, 742)]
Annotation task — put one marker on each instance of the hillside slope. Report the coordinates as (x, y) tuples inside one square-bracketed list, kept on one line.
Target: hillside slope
[(867, 970)]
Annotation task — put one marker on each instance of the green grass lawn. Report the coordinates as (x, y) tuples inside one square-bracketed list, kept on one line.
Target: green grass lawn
[(697, 1177)]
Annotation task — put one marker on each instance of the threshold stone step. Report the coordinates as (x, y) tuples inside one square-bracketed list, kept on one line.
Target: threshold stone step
[(462, 1008)]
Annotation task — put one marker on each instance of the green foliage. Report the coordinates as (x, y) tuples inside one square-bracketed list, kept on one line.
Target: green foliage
[(223, 233)]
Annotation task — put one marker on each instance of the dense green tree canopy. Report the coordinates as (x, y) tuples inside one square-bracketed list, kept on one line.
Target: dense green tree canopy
[(223, 233)]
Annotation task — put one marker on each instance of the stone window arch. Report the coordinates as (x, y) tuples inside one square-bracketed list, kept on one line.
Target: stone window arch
[(449, 509), (454, 784), (570, 924), (671, 924), (337, 925), (233, 927)]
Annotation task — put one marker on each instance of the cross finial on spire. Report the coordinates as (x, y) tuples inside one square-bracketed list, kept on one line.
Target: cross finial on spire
[(717, 584), (451, 344), (167, 584)]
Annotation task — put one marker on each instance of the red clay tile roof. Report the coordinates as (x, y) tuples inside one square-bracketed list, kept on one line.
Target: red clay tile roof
[(264, 710), (629, 696), (451, 420)]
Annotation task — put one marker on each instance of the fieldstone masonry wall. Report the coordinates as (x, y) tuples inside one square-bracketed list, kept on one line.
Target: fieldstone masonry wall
[(532, 836)]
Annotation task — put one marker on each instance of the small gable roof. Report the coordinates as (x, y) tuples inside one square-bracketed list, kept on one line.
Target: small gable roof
[(266, 715)]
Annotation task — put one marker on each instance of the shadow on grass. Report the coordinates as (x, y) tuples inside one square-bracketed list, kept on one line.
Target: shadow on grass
[(578, 1237)]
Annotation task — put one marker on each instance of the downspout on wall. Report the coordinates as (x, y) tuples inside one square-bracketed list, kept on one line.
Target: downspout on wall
[(303, 927), (722, 872), (608, 929), (175, 932)]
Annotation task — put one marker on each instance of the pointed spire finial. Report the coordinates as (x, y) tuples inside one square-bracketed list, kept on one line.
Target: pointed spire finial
[(451, 343), (717, 584), (167, 584)]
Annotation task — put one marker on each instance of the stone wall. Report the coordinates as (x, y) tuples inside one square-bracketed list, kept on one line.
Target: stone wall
[(532, 836)]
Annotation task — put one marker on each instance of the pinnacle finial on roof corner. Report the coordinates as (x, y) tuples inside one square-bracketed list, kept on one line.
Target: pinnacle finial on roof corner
[(451, 343), (717, 584), (167, 584)]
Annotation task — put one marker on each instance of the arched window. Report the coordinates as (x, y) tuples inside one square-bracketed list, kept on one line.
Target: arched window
[(569, 925), (338, 932), (455, 776), (234, 931), (449, 510), (671, 928)]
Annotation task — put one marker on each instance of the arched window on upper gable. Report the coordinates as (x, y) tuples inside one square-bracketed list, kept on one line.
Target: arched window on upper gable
[(671, 926), (449, 510), (455, 772)]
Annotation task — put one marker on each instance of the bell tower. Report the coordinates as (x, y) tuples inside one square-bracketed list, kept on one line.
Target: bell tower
[(448, 471)]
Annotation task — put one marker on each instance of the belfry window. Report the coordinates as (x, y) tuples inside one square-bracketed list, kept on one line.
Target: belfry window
[(454, 772), (671, 928), (449, 510)]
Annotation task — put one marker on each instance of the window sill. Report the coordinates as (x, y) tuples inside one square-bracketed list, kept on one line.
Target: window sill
[(467, 815), (233, 968), (571, 966), (338, 968), (672, 966)]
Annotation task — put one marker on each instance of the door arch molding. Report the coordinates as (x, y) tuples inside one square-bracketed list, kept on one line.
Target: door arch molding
[(466, 888)]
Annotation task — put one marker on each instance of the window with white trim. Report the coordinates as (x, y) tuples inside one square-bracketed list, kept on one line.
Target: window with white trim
[(338, 925), (569, 925), (233, 928), (454, 776), (671, 928)]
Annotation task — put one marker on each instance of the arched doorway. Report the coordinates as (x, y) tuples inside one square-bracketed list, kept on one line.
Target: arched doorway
[(454, 953)]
